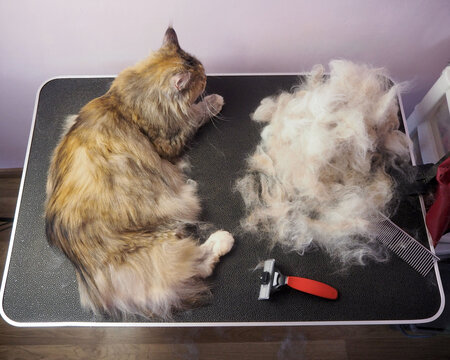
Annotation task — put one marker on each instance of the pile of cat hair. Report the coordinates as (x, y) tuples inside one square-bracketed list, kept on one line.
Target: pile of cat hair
[(319, 177)]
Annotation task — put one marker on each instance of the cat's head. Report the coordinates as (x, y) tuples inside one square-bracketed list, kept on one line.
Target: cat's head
[(183, 75), (170, 73)]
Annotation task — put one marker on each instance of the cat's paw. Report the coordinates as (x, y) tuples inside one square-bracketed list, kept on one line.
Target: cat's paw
[(220, 242), (192, 183), (214, 104)]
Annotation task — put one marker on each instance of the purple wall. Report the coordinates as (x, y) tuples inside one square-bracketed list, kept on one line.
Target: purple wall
[(43, 39)]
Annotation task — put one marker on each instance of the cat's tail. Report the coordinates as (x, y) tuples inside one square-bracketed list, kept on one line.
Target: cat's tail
[(163, 273)]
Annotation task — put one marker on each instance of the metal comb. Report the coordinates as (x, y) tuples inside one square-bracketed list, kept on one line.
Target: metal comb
[(405, 246)]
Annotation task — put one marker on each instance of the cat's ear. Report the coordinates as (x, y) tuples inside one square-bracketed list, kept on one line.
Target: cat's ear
[(170, 38), (180, 80)]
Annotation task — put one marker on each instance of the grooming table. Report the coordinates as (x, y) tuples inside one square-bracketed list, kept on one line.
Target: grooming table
[(39, 287)]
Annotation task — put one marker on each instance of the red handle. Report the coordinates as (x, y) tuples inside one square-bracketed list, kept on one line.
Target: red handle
[(312, 287)]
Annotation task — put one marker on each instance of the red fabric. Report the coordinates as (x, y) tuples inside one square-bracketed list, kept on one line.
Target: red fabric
[(438, 216), (312, 287)]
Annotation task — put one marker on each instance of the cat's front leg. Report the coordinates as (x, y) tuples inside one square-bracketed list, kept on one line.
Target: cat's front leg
[(209, 107)]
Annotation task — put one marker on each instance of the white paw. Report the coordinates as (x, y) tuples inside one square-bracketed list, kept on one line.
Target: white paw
[(220, 242), (214, 103)]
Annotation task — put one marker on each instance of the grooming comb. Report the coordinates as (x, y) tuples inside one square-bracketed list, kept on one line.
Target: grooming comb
[(272, 280), (405, 246)]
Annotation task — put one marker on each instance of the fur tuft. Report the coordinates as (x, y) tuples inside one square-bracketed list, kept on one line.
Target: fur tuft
[(318, 177)]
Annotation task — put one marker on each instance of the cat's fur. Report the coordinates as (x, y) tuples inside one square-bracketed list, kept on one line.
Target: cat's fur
[(319, 175), (118, 204)]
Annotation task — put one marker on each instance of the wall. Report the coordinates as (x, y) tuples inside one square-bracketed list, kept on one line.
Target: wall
[(43, 39)]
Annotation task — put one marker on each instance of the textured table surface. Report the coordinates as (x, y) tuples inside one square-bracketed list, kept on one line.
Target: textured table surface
[(40, 288)]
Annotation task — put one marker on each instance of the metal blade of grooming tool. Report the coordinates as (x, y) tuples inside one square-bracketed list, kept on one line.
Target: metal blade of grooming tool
[(271, 280)]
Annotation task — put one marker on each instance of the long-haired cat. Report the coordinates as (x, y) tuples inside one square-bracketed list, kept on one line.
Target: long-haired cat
[(118, 204)]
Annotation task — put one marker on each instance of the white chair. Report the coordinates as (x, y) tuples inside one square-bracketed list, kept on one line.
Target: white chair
[(429, 123)]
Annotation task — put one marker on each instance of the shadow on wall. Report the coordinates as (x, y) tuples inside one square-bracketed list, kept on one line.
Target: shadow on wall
[(419, 71), (16, 111), (420, 84)]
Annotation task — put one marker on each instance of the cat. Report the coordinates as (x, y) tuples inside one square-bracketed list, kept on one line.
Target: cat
[(118, 203)]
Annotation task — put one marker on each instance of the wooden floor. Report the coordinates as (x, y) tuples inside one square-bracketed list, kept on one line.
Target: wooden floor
[(315, 342)]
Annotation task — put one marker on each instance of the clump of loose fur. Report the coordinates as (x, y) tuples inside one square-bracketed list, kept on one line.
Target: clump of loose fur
[(118, 204), (319, 174)]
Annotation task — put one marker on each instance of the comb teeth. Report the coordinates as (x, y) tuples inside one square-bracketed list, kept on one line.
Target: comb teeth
[(405, 246)]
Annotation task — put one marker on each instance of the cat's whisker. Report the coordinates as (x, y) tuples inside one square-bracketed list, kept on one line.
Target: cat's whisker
[(221, 118), (214, 124)]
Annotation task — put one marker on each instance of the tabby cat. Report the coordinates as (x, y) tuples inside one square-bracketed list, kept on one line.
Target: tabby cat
[(118, 203)]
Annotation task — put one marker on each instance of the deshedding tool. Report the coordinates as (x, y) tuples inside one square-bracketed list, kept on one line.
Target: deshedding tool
[(272, 280)]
